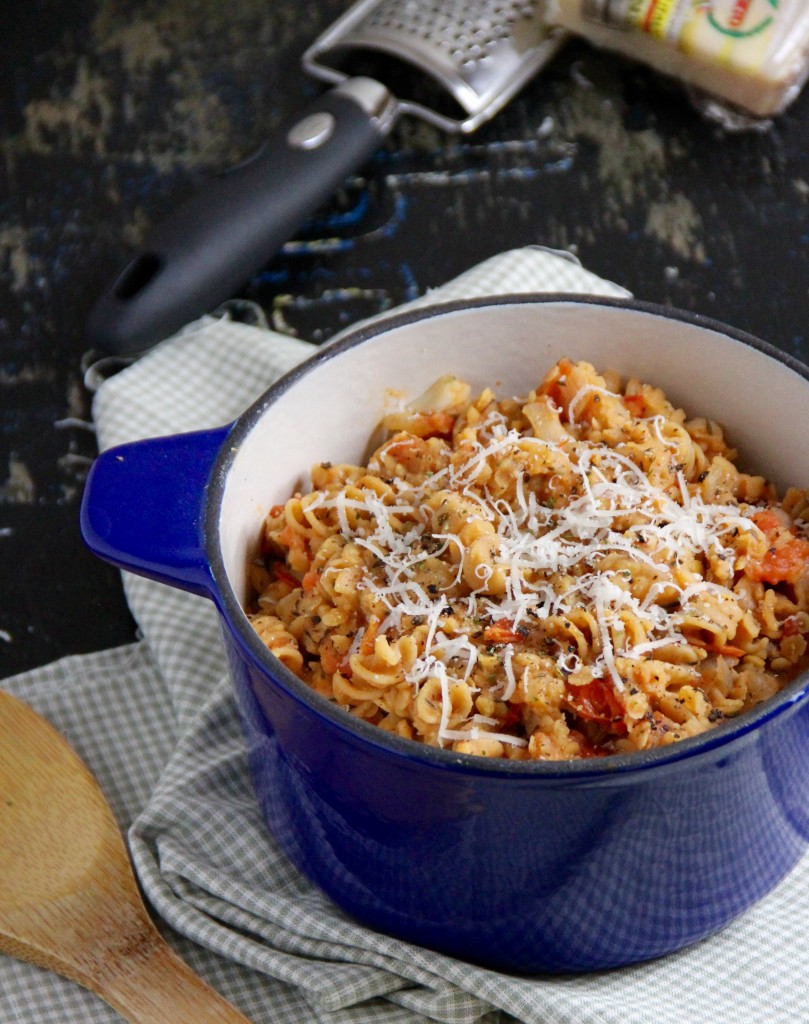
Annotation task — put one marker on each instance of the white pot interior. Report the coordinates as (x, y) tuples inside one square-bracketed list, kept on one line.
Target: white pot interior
[(331, 412)]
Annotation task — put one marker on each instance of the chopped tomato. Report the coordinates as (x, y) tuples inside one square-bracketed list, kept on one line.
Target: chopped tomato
[(432, 424), (636, 404), (501, 632), (782, 564), (553, 385), (767, 521), (730, 651), (791, 626), (727, 649), (331, 660), (285, 575), (597, 702), (310, 580), (291, 538), (405, 449), (787, 556), (511, 717)]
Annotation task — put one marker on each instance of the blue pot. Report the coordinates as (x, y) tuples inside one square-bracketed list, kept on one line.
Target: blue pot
[(519, 866)]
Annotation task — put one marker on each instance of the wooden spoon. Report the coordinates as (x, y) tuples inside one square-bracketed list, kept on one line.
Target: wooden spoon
[(68, 897)]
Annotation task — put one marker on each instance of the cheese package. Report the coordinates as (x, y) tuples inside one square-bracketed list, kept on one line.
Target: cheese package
[(752, 54)]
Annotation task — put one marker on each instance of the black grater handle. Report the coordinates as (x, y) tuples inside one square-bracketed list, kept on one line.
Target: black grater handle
[(236, 222)]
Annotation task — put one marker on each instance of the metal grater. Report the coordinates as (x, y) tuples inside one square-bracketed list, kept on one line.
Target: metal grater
[(481, 51)]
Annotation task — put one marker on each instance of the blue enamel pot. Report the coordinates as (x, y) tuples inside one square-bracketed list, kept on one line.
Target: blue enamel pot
[(520, 866)]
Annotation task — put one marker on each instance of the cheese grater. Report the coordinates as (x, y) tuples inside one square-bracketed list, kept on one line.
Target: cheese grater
[(480, 51), (468, 56)]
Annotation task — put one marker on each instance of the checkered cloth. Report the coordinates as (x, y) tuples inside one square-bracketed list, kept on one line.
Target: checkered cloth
[(156, 723)]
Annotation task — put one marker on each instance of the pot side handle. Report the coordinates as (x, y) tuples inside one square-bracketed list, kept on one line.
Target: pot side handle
[(144, 503)]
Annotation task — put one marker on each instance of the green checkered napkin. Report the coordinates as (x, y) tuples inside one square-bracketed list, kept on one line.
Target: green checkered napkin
[(156, 722)]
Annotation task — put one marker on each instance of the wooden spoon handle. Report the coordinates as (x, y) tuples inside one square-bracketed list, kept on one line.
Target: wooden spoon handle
[(154, 986)]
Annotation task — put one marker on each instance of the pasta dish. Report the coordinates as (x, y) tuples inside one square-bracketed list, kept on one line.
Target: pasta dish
[(578, 572)]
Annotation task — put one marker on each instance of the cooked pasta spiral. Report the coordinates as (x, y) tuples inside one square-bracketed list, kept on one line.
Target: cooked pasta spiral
[(578, 572)]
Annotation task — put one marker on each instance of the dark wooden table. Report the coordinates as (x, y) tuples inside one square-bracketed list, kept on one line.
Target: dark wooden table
[(111, 111)]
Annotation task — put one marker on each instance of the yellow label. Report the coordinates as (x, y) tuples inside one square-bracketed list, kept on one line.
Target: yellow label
[(737, 32), (659, 16)]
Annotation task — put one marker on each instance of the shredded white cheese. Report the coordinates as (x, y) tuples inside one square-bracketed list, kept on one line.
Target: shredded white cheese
[(613, 507)]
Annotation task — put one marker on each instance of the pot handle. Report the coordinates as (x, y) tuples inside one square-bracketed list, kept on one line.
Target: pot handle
[(144, 505)]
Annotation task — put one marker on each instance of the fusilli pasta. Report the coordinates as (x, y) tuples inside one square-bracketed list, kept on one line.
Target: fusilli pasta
[(580, 572)]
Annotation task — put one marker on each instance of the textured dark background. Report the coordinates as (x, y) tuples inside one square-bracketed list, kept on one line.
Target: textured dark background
[(112, 110)]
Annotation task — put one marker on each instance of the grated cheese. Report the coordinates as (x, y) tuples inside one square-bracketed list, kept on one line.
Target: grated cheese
[(556, 553), (534, 543)]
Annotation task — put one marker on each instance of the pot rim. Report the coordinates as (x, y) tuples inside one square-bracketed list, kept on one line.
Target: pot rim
[(729, 734)]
